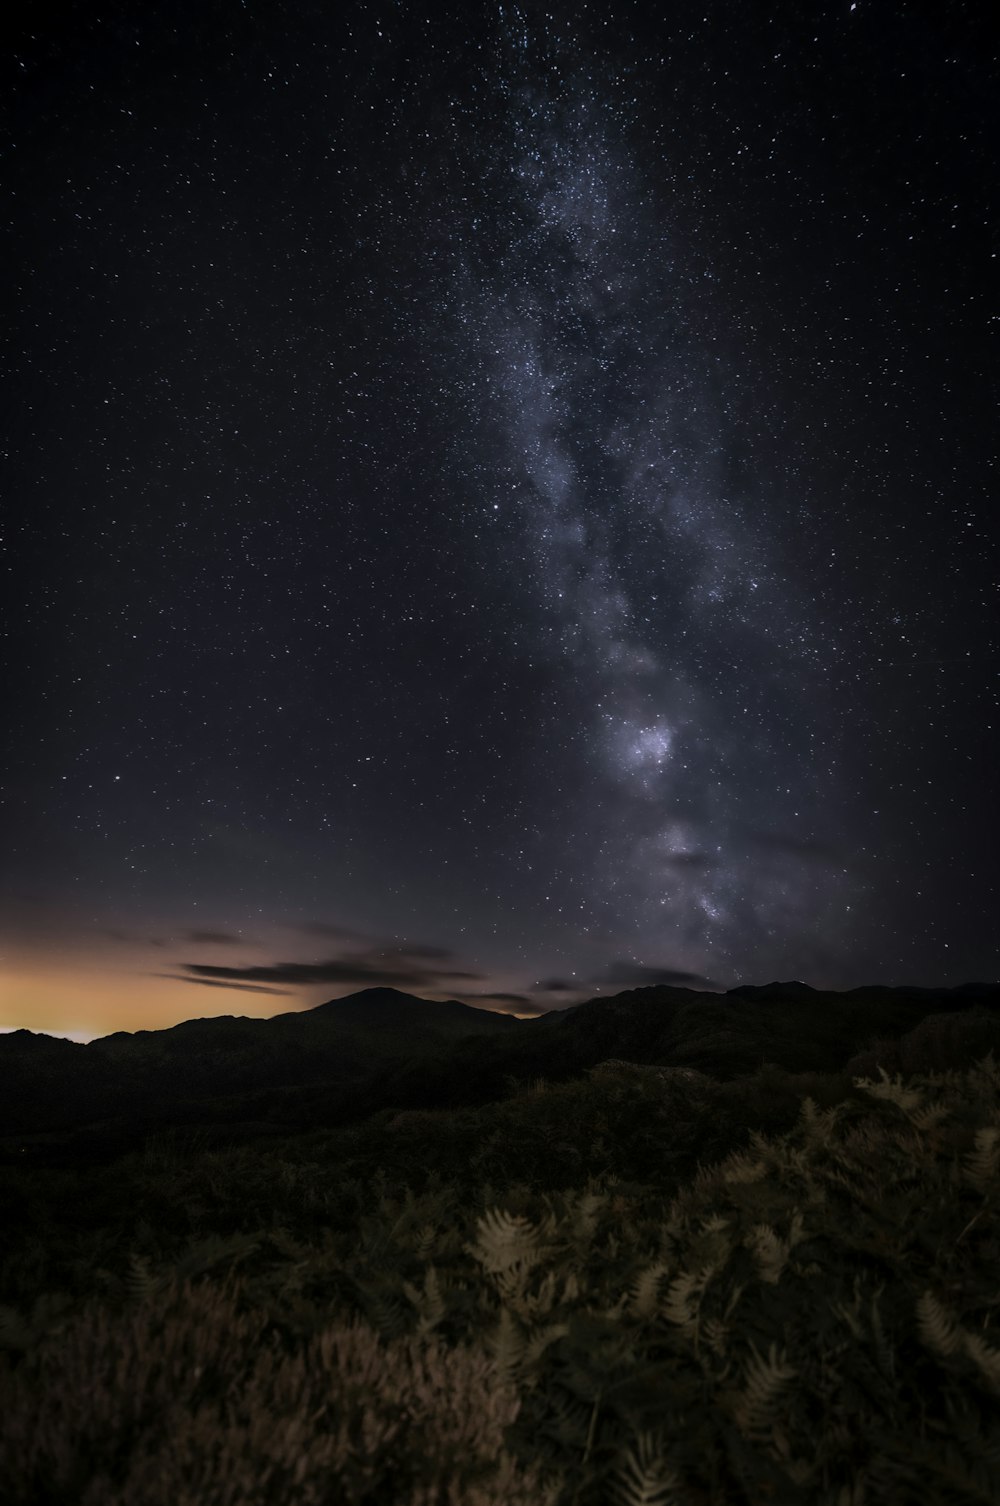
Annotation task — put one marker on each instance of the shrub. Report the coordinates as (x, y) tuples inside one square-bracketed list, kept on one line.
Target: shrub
[(184, 1398)]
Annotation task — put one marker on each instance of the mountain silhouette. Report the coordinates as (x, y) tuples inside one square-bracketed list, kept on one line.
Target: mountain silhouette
[(197, 1067), (791, 990), (381, 1048)]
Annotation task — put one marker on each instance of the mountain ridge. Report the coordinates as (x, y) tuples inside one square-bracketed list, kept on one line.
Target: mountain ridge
[(381, 997), (350, 1057)]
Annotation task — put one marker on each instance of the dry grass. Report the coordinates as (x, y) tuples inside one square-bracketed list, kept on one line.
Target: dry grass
[(185, 1400)]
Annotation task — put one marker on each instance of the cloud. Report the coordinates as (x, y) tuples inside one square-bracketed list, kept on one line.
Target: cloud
[(555, 986), (408, 966), (639, 974), (245, 988), (215, 938)]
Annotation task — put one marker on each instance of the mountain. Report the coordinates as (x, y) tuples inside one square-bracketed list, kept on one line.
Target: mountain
[(792, 990), (386, 1009), (195, 1070), (236, 1077), (725, 1036), (304, 1041)]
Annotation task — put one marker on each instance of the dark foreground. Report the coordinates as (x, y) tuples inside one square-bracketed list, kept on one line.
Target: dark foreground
[(622, 1281)]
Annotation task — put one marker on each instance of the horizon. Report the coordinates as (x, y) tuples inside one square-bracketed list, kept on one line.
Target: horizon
[(477, 1002), (90, 997)]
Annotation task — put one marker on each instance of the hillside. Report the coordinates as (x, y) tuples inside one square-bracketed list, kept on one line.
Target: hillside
[(343, 1060)]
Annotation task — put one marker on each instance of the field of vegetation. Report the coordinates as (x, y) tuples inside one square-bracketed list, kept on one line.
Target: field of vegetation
[(637, 1287)]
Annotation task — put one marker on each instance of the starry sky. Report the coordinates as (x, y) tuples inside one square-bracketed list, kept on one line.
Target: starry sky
[(501, 502)]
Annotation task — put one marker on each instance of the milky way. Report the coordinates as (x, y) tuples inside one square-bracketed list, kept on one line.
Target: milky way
[(644, 553)]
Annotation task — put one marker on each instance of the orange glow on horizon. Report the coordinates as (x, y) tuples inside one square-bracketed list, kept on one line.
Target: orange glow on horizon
[(92, 1000), (90, 997)]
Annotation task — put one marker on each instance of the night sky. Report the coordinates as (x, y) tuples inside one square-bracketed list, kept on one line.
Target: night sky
[(501, 502)]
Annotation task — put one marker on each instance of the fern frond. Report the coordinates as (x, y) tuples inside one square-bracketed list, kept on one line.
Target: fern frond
[(713, 1242), (386, 1313), (891, 1090), (512, 1287), (539, 1341), (506, 1344), (425, 1241), (743, 1168), (797, 1230), (613, 1314), (815, 1122), (713, 1224), (504, 1240), (770, 1252), (799, 1471), (644, 1290), (988, 1069), (734, 1298), (568, 1423), (982, 1165), (586, 1215), (929, 1117), (755, 1407), (937, 1326), (571, 1288), (716, 1333), (683, 1300), (850, 1317), (429, 1302), (986, 1358), (644, 1477), (140, 1281)]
